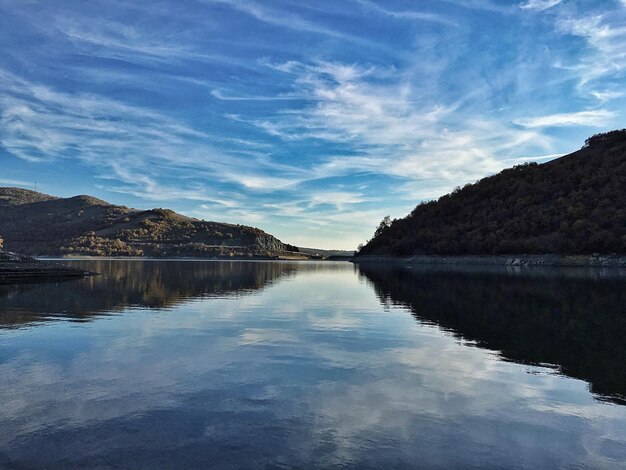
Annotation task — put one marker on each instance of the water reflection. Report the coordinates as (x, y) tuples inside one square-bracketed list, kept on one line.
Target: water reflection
[(279, 365), (574, 319), (132, 283)]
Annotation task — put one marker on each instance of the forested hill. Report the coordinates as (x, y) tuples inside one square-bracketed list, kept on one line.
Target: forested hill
[(38, 224), (575, 204)]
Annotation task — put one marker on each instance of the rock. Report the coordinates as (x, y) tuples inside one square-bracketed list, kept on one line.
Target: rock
[(20, 268)]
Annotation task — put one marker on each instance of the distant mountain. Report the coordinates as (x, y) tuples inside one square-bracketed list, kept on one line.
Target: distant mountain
[(575, 204), (325, 254), (38, 224)]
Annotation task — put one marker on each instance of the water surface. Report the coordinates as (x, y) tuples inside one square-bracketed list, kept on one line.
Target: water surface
[(278, 365)]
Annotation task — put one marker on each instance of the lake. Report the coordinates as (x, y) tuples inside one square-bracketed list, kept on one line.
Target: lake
[(192, 364)]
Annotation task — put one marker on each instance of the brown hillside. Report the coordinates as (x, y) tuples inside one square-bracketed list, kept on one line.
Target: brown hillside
[(39, 224)]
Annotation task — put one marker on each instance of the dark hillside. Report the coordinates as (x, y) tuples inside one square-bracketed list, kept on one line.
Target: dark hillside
[(37, 224), (17, 196), (575, 204)]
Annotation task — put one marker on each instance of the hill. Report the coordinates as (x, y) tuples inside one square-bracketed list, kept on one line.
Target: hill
[(319, 253), (575, 204), (38, 224), (17, 196)]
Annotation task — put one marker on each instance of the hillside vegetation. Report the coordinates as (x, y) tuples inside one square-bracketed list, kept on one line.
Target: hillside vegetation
[(575, 204), (38, 224)]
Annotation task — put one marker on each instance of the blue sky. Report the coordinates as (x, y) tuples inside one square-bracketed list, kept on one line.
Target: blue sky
[(309, 119)]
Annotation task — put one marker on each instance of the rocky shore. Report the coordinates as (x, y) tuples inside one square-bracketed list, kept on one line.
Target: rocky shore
[(20, 268), (594, 260)]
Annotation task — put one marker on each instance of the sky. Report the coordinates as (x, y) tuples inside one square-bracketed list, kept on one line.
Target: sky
[(309, 119)]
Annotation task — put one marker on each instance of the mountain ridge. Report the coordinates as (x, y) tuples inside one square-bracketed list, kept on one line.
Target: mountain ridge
[(39, 224)]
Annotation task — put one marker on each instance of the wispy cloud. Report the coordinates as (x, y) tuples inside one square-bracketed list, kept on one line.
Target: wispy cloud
[(392, 132), (311, 119), (485, 5), (539, 5), (221, 96), (407, 14), (132, 144), (596, 118), (21, 183), (288, 20), (114, 36), (607, 95), (606, 37), (600, 61)]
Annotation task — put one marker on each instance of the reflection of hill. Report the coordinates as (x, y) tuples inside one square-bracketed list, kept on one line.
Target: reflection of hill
[(576, 323), (151, 284)]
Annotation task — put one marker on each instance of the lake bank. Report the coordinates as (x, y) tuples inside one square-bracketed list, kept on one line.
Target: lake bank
[(195, 258), (20, 268), (618, 261)]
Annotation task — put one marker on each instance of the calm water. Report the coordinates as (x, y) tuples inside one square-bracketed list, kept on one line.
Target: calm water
[(278, 365)]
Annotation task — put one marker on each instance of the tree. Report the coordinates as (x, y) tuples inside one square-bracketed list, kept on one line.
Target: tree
[(570, 205), (384, 225)]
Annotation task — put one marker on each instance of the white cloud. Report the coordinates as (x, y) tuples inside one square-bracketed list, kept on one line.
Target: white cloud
[(536, 158), (539, 5), (118, 37), (484, 5), (407, 14), (595, 118), (402, 118), (606, 37), (607, 95), (336, 198), (130, 144), (391, 125), (219, 94), (288, 20), (21, 183)]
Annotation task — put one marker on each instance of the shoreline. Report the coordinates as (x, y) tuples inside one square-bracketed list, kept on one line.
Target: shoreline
[(16, 268), (603, 261), (62, 258)]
